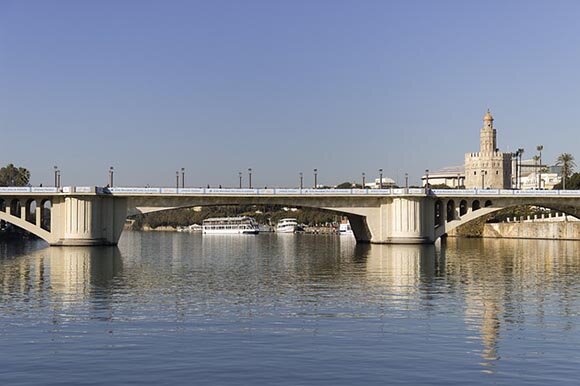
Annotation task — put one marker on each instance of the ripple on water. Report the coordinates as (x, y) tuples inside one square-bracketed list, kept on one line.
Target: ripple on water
[(179, 308)]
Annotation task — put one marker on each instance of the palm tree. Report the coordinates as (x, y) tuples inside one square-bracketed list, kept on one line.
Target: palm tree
[(566, 162)]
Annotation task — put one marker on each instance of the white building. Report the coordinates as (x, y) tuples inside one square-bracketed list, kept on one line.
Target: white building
[(531, 176), (387, 183), (452, 176)]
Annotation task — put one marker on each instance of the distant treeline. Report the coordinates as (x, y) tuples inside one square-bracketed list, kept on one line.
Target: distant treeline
[(264, 214)]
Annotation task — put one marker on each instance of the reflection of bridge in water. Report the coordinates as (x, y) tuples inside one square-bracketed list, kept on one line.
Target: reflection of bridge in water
[(95, 216), (512, 283)]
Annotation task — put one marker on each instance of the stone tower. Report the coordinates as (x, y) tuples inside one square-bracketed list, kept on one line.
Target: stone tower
[(488, 135), (488, 168)]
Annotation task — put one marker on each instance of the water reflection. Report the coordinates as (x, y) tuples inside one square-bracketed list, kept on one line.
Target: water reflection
[(508, 284), (474, 300), (64, 276)]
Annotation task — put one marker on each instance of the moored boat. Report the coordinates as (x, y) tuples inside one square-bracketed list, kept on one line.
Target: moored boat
[(230, 225), (287, 225)]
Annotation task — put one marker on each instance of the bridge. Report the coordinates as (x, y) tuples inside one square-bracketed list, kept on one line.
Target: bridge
[(95, 215)]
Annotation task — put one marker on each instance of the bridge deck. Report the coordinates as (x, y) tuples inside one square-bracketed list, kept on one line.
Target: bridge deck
[(160, 191)]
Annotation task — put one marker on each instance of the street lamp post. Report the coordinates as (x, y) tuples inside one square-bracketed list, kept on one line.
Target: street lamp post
[(240, 178), (301, 180), (515, 182), (520, 154), (363, 180), (380, 178), (540, 148), (177, 179), (315, 178), (55, 176), (111, 171), (183, 177), (58, 178), (406, 182), (250, 177), (483, 179), (427, 181)]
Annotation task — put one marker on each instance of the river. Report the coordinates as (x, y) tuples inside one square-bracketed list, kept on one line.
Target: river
[(175, 308)]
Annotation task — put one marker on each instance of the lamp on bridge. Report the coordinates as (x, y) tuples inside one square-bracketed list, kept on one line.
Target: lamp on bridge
[(250, 177), (363, 180), (301, 180), (483, 179), (519, 153), (183, 177), (380, 178), (426, 180), (406, 182), (56, 176), (315, 178), (177, 179), (111, 171), (540, 148), (240, 178)]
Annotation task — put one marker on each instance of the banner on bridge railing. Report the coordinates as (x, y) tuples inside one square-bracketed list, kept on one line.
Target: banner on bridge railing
[(537, 192), (15, 189)]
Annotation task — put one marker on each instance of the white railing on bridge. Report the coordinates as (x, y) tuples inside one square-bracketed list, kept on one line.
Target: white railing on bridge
[(286, 191)]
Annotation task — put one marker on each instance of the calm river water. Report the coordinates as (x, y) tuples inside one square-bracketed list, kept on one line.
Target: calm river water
[(172, 308)]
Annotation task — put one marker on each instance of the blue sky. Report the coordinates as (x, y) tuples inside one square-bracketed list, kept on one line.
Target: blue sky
[(280, 86)]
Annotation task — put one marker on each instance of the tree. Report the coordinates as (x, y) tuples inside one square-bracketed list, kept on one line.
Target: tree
[(11, 175), (572, 182), (566, 162), (344, 185)]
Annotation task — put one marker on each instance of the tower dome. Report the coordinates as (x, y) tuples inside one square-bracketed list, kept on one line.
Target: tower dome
[(488, 116)]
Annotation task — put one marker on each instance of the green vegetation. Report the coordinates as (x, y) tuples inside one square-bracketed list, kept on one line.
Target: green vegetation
[(11, 175), (566, 162), (572, 183), (264, 214)]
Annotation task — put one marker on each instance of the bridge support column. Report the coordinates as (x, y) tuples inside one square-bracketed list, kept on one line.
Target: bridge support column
[(38, 215), (87, 220), (401, 220)]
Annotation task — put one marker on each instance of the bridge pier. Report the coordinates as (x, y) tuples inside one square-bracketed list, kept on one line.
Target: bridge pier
[(399, 220), (87, 220)]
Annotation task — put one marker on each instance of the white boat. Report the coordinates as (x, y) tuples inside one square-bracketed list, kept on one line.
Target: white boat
[(191, 228), (230, 225), (287, 225), (344, 229)]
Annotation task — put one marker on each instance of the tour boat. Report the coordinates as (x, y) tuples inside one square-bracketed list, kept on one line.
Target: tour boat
[(230, 225), (287, 225), (344, 229)]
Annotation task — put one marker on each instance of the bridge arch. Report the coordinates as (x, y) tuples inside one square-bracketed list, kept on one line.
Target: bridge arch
[(462, 207), (450, 210), (30, 210), (27, 226), (45, 213), (490, 208), (357, 221), (15, 207)]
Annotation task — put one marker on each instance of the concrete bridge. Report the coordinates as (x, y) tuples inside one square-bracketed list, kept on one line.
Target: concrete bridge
[(95, 215)]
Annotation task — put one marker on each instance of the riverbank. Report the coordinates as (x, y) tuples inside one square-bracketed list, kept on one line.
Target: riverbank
[(563, 230)]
